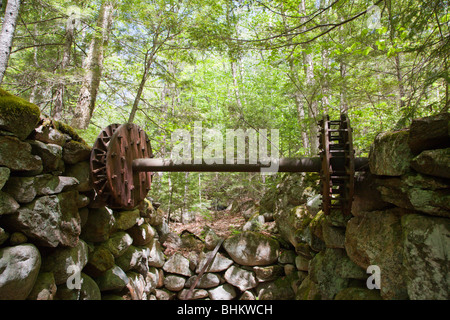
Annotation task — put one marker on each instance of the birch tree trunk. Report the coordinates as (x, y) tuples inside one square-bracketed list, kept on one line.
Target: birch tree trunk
[(94, 67), (7, 35)]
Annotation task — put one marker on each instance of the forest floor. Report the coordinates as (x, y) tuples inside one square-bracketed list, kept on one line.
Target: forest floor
[(223, 222)]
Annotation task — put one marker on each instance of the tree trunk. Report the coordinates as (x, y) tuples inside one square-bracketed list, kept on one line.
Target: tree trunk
[(60, 88), (94, 65), (7, 35)]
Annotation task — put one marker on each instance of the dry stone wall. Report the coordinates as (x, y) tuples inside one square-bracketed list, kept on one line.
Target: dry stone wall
[(57, 242)]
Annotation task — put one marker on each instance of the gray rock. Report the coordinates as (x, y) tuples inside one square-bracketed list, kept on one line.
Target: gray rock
[(49, 220), (177, 264), (142, 234), (51, 155), (433, 162), (118, 243), (174, 282), (196, 294), (240, 278), (375, 238), (426, 248), (99, 225), (64, 262), (430, 133), (334, 237), (255, 223), (302, 263), (75, 152), (252, 249), (16, 155), (417, 192), (3, 236), (48, 134), (207, 281), (280, 289), (390, 154), (44, 287), (134, 258), (4, 176), (100, 260), (19, 267), (358, 294), (113, 279), (7, 204), (156, 256), (223, 292), (25, 189), (268, 273), (82, 172), (124, 220), (219, 264)]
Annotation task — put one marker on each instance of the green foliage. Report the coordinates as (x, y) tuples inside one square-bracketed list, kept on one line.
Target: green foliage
[(239, 64)]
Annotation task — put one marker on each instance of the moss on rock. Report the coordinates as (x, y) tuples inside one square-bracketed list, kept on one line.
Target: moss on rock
[(64, 128), (17, 115)]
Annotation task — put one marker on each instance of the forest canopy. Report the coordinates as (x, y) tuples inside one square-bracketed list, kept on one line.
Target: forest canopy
[(259, 64)]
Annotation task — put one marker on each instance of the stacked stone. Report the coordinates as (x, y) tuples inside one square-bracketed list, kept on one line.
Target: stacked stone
[(56, 242), (399, 223), (250, 266)]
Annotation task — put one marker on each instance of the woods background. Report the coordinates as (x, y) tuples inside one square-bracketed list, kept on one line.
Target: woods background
[(230, 64)]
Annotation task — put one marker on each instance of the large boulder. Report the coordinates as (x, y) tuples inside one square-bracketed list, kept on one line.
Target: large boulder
[(431, 132), (17, 156), (375, 238), (252, 249), (19, 267), (49, 220), (390, 154), (426, 243), (433, 162), (417, 192), (17, 115)]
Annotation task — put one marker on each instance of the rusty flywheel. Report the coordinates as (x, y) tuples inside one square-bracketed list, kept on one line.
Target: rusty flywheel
[(338, 164)]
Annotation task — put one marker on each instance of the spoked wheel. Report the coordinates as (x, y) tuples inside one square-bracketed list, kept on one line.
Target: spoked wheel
[(111, 166), (338, 165)]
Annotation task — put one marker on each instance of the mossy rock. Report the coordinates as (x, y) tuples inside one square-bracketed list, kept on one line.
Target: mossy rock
[(64, 128), (17, 115)]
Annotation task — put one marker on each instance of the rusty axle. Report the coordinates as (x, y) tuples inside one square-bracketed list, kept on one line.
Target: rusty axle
[(122, 165)]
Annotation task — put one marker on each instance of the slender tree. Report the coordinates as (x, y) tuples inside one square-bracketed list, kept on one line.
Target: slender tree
[(94, 67), (7, 35)]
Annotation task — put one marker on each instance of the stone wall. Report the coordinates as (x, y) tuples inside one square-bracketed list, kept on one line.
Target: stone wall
[(57, 242), (399, 223)]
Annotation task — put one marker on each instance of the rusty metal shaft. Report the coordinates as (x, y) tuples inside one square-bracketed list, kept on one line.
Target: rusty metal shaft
[(284, 165)]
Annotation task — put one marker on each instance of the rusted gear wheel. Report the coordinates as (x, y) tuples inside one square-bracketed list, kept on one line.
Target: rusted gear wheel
[(111, 166), (98, 164), (338, 165)]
